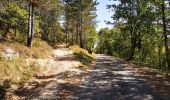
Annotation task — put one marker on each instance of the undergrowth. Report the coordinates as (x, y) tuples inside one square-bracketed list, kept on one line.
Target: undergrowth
[(41, 49), (16, 70), (83, 56)]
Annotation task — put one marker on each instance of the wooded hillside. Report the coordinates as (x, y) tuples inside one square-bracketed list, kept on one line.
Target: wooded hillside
[(24, 20)]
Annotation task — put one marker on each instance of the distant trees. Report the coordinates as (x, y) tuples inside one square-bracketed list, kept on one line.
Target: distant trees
[(80, 22), (49, 13), (164, 21)]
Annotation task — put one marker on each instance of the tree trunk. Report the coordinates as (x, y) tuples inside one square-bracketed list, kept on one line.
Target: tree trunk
[(53, 27), (165, 36), (45, 33), (6, 31), (31, 24), (15, 31), (159, 55), (77, 33), (133, 47), (72, 39), (81, 27), (67, 32)]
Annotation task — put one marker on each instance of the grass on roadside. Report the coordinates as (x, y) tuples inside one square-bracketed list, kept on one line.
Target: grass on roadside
[(40, 49), (83, 56), (16, 70)]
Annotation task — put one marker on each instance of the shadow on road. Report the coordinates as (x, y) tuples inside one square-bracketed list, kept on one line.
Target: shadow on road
[(113, 80), (110, 79)]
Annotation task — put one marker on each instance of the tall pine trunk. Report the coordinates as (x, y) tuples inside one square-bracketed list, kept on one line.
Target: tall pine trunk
[(159, 55), (165, 35), (77, 33), (67, 32), (30, 24), (81, 25)]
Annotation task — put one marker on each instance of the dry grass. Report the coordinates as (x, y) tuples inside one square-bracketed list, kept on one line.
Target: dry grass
[(40, 49), (82, 55), (60, 45), (23, 50), (17, 70), (1, 47)]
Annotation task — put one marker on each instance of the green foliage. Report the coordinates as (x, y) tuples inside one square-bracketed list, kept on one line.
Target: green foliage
[(85, 59), (80, 23), (82, 55), (14, 20), (116, 42), (137, 33), (50, 12)]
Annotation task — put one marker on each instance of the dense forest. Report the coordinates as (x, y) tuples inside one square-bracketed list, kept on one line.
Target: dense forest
[(140, 28)]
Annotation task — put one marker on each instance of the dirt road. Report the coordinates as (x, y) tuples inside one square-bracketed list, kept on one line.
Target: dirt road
[(113, 80), (110, 79)]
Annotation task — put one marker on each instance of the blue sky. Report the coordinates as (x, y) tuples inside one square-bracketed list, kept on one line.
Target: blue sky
[(103, 14)]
